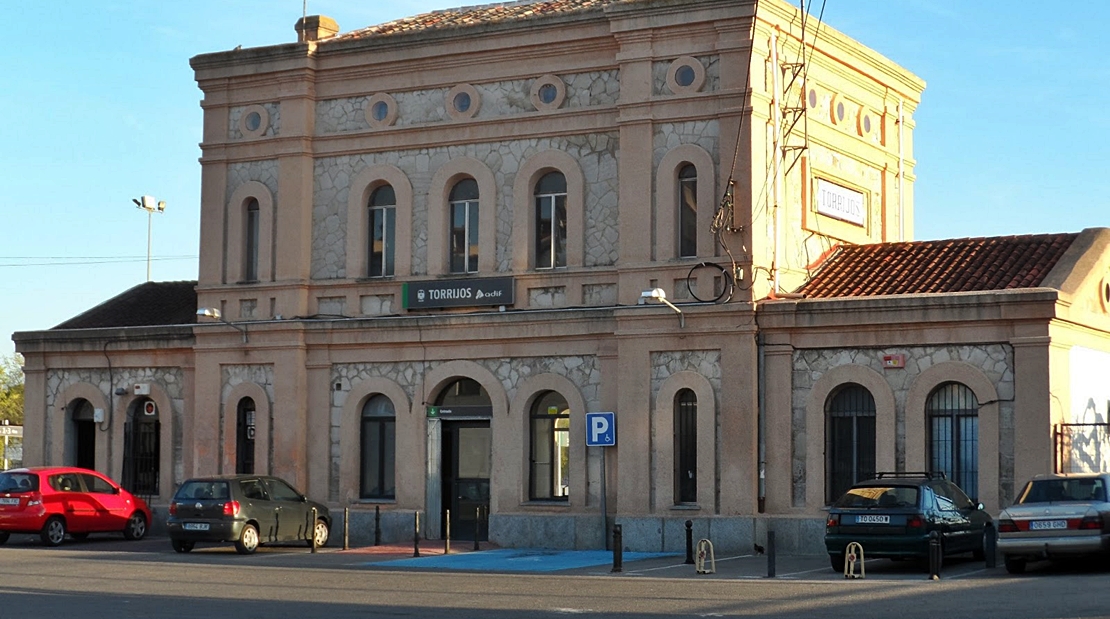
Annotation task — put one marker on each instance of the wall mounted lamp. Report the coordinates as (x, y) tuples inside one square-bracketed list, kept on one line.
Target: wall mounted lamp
[(659, 295), (211, 312)]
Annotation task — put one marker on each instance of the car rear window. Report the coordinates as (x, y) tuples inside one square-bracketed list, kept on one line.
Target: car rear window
[(202, 490), (18, 482), (1050, 490), (879, 497)]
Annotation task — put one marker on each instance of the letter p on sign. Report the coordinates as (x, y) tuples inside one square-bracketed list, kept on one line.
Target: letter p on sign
[(601, 429)]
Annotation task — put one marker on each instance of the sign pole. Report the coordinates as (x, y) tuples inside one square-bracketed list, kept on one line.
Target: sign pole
[(604, 512)]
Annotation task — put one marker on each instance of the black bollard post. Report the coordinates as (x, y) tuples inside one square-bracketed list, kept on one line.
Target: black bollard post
[(447, 537), (377, 525), (618, 549), (689, 542), (416, 535), (935, 556), (477, 525), (312, 531), (346, 528), (770, 554), (990, 544)]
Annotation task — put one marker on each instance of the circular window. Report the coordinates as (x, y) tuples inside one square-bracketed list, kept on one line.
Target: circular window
[(686, 75), (867, 124), (462, 102), (1104, 294), (381, 111), (840, 112), (254, 121), (812, 98), (548, 93)]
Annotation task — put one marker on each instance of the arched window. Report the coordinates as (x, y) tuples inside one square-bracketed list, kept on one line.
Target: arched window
[(952, 412), (382, 227), (464, 226), (253, 222), (687, 211), (551, 221), (685, 447), (244, 436), (376, 470), (550, 449), (849, 439)]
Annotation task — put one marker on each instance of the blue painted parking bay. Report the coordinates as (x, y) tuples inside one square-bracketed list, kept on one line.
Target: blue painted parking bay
[(519, 560)]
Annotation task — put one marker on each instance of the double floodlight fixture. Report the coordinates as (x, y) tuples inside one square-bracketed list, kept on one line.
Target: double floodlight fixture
[(659, 295), (151, 206), (212, 312)]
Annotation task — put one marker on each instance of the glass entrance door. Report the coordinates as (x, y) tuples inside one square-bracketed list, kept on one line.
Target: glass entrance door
[(466, 473)]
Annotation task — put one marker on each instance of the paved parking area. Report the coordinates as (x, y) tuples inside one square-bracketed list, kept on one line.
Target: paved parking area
[(463, 558)]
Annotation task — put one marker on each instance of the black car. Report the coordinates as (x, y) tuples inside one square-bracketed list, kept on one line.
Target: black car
[(892, 516), (245, 509)]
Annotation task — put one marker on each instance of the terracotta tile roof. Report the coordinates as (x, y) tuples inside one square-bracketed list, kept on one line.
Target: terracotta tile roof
[(146, 305), (475, 15), (954, 265)]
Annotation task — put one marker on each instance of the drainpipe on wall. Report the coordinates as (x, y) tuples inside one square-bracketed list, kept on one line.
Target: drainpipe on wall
[(761, 387), (901, 176)]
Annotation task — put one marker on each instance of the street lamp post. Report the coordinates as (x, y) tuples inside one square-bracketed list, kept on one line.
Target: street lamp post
[(151, 206)]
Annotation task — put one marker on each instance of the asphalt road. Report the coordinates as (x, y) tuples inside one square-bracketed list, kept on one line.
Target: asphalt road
[(118, 579)]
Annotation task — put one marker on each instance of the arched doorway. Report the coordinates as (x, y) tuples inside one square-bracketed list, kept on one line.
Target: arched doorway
[(141, 448), (244, 436), (464, 409), (81, 434)]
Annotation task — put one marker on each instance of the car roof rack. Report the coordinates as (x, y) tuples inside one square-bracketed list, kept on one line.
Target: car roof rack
[(925, 474)]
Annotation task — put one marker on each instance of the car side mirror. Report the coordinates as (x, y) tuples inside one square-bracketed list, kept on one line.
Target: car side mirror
[(304, 499), (979, 507), (115, 490)]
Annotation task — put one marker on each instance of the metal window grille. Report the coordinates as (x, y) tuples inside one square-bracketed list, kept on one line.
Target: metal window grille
[(1082, 447), (952, 412), (850, 440)]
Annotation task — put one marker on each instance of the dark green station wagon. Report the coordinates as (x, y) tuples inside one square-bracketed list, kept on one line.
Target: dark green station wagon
[(247, 510), (892, 516)]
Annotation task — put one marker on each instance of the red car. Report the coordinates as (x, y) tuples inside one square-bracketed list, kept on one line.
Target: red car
[(55, 501)]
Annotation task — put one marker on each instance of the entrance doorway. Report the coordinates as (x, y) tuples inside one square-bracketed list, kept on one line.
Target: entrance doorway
[(244, 437), (463, 410), (84, 435), (141, 449), (466, 472)]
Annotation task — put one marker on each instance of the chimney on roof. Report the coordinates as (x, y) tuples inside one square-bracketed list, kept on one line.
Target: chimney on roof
[(315, 28)]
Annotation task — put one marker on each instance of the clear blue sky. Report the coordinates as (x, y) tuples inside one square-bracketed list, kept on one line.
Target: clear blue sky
[(100, 106)]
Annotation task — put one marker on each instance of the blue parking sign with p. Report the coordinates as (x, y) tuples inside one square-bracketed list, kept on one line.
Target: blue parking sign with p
[(601, 429)]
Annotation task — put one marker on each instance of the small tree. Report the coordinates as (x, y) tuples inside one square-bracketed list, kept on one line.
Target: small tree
[(11, 389)]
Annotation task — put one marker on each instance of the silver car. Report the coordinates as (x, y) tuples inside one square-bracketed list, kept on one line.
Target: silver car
[(1056, 516)]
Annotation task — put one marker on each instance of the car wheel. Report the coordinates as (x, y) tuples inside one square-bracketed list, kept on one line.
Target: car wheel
[(4, 535), (136, 527), (180, 545), (53, 532), (320, 533), (248, 540), (1015, 565), (837, 562)]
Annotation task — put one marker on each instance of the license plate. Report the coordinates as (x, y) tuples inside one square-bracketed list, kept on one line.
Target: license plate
[(9, 501), (872, 519), (1041, 525), (196, 526)]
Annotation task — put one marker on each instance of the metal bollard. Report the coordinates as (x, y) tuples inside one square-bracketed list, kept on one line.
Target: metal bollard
[(377, 525), (618, 546), (447, 536), (416, 535), (477, 524), (346, 528), (935, 555), (990, 544), (770, 554), (689, 542), (312, 530)]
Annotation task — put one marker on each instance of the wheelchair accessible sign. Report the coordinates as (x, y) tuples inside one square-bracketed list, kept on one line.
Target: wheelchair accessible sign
[(601, 429)]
